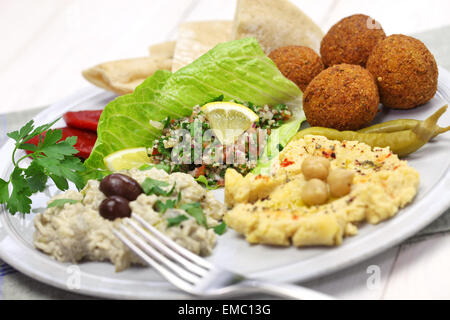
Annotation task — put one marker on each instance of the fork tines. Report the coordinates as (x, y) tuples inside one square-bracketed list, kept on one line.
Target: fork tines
[(180, 266)]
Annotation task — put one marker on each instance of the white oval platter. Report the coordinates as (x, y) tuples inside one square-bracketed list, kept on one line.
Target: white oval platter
[(232, 251)]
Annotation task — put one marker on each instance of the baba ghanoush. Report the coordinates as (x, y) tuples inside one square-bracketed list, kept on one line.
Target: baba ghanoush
[(82, 228)]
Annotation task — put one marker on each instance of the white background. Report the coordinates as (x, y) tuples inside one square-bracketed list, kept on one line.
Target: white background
[(44, 44)]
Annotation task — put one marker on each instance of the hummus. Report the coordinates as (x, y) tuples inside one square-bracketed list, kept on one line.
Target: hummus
[(270, 210), (75, 232)]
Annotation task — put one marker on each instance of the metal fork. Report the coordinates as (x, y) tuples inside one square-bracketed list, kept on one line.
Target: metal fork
[(193, 274)]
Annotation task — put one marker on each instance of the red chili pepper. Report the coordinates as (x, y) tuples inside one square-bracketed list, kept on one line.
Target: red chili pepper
[(85, 140), (85, 120)]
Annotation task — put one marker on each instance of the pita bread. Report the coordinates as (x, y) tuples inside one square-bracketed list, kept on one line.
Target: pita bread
[(162, 50), (275, 24), (123, 76), (196, 38)]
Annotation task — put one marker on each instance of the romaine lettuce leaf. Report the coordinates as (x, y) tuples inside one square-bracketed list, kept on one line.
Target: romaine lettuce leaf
[(239, 70), (278, 139)]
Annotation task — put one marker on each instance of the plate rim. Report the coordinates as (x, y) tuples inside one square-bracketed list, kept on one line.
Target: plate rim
[(280, 273)]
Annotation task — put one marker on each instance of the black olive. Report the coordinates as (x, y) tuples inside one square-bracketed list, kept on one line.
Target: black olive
[(115, 207), (117, 184)]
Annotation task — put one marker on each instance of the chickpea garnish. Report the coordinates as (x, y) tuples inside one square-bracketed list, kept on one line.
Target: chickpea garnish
[(315, 168), (340, 182), (315, 192)]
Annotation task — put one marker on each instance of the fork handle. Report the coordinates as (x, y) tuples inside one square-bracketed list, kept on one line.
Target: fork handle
[(284, 290)]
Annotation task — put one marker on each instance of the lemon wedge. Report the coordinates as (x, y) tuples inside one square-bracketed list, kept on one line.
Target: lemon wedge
[(228, 120), (126, 159)]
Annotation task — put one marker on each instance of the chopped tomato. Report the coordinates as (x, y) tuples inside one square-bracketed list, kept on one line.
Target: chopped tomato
[(200, 171)]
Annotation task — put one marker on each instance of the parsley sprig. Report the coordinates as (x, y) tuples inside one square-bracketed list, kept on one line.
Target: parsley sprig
[(194, 209), (152, 186), (162, 207), (51, 158), (175, 221)]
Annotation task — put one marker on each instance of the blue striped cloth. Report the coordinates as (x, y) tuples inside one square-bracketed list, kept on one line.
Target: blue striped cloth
[(5, 269)]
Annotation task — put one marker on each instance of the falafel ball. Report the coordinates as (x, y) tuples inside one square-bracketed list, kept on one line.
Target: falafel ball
[(297, 63), (405, 70), (343, 97), (351, 41)]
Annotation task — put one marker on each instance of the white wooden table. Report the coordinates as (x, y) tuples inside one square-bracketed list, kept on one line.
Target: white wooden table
[(46, 43)]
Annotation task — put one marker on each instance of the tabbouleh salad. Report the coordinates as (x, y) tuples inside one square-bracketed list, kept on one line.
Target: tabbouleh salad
[(201, 163)]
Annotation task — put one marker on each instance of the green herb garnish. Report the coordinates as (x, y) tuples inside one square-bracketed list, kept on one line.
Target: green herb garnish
[(216, 99), (50, 159), (221, 228), (162, 207), (166, 122), (195, 210), (152, 186), (280, 107), (61, 202), (171, 222), (162, 150), (202, 179)]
